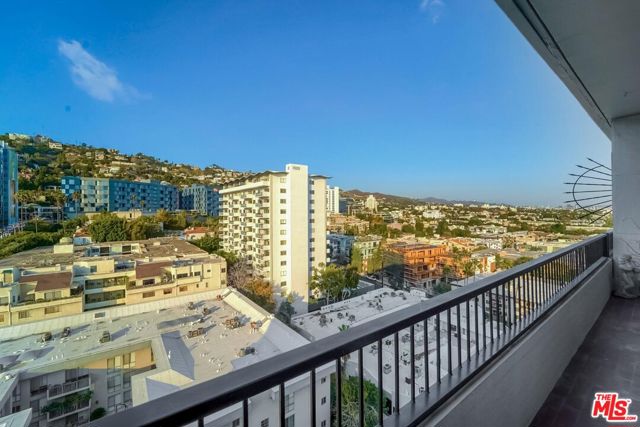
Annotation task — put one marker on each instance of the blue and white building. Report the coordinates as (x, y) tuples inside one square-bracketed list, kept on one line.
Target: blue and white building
[(200, 198), (8, 185), (86, 195)]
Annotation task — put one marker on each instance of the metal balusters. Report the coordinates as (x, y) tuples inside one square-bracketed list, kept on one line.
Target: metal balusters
[(282, 408), (380, 385), (412, 351), (449, 341), (245, 412), (475, 314), (484, 322), (396, 356), (438, 358), (338, 392), (361, 387), (491, 315), (504, 313), (312, 380), (459, 332), (425, 331), (468, 314)]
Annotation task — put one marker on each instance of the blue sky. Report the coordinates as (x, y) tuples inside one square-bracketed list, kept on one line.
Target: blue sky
[(415, 97)]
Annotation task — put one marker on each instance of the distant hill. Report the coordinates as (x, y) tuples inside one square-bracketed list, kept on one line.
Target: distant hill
[(43, 161), (358, 194)]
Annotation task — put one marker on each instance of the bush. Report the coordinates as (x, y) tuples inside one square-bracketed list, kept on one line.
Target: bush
[(26, 240), (97, 413)]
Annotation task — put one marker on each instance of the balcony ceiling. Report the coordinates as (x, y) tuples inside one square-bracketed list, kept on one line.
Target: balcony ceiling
[(592, 45)]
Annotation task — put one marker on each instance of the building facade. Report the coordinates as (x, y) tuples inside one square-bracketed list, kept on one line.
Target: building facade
[(277, 221), (333, 200), (414, 265), (200, 198), (340, 247), (86, 195), (371, 203), (103, 275), (8, 185)]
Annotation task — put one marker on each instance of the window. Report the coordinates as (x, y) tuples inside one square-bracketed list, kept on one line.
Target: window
[(283, 273), (323, 423), (184, 288), (289, 402), (235, 423), (283, 201), (323, 380), (148, 294), (1, 318), (283, 242), (290, 421), (147, 282), (283, 232), (93, 268), (323, 400), (283, 190), (166, 292), (264, 423), (283, 262), (51, 310), (283, 221), (126, 379), (23, 315), (283, 283), (283, 253)]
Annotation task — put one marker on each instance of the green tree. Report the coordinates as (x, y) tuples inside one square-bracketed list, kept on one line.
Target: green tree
[(408, 228), (442, 229), (260, 292), (286, 310), (350, 401), (107, 227), (374, 263), (208, 243), (144, 227), (356, 258), (332, 280)]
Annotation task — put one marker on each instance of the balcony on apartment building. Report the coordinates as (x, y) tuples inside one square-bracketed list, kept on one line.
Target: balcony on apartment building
[(527, 346)]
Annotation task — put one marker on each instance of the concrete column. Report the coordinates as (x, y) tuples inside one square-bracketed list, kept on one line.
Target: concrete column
[(625, 161)]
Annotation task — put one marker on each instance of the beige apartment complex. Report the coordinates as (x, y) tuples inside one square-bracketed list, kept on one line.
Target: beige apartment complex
[(46, 283), (277, 221)]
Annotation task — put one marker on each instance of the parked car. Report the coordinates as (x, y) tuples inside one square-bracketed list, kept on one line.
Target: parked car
[(66, 332), (106, 337), (46, 337)]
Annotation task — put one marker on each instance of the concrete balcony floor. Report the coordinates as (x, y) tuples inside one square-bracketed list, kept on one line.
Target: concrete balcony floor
[(607, 360)]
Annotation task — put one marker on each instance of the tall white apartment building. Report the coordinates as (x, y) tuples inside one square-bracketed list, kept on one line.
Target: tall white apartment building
[(371, 203), (333, 200), (277, 221)]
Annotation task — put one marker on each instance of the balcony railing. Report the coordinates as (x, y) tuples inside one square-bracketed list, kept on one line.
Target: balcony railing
[(69, 387), (458, 333)]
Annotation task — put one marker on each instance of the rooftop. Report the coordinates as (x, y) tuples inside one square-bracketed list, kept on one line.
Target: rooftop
[(190, 360), (162, 247), (48, 281)]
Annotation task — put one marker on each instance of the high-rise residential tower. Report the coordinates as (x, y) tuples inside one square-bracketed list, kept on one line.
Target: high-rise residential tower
[(277, 222), (333, 199)]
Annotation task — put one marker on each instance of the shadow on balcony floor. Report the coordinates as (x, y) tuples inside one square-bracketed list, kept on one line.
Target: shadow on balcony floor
[(607, 360)]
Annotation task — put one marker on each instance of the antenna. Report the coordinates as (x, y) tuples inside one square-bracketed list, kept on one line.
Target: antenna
[(591, 191)]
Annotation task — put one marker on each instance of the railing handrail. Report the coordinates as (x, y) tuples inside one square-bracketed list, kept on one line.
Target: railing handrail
[(229, 389)]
